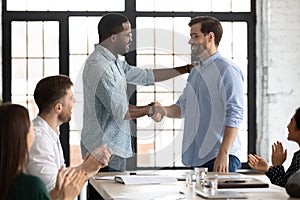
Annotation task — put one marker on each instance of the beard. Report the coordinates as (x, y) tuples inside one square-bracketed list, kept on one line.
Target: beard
[(123, 49), (197, 51), (64, 117)]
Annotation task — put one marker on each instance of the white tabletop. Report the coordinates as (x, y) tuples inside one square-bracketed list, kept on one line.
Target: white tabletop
[(109, 189)]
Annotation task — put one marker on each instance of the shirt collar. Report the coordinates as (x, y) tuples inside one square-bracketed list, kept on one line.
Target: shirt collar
[(211, 59), (42, 122), (105, 52)]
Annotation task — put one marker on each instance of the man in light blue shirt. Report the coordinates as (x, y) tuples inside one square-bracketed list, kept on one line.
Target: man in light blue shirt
[(211, 103), (106, 112)]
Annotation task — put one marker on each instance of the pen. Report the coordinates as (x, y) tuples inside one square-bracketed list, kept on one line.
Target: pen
[(235, 181), (140, 174)]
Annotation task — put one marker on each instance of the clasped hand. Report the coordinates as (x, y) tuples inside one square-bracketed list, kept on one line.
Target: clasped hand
[(159, 112)]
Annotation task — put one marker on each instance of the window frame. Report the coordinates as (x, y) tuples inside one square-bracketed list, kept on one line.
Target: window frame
[(63, 18)]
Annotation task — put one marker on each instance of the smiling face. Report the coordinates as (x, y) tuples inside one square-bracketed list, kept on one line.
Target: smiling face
[(198, 40), (294, 133), (202, 43), (124, 39)]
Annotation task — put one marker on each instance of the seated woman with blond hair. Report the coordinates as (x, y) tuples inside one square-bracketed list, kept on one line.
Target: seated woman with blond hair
[(16, 138), (276, 172)]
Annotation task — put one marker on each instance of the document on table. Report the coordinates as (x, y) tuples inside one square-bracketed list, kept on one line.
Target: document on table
[(104, 177), (138, 179)]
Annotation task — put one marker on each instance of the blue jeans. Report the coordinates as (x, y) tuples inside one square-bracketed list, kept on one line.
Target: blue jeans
[(234, 164)]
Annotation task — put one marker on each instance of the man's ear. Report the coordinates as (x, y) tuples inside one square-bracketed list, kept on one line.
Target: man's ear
[(58, 107), (113, 37), (211, 35)]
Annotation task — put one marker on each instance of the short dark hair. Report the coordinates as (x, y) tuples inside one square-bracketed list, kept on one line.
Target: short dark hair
[(109, 24), (297, 118), (51, 90), (14, 127), (209, 24)]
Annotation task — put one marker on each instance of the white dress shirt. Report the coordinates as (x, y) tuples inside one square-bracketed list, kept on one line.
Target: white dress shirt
[(46, 155)]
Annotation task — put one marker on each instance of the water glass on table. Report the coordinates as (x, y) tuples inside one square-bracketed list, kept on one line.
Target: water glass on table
[(211, 183), (200, 173), (189, 176)]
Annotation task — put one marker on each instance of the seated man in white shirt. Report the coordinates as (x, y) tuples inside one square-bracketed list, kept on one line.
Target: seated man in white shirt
[(54, 98)]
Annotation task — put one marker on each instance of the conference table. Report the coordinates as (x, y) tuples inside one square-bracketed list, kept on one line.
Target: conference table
[(108, 188)]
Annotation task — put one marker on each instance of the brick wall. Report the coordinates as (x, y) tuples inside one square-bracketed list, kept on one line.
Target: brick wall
[(278, 72)]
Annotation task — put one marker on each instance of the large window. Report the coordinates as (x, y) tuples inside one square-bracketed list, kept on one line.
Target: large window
[(34, 54), (48, 37)]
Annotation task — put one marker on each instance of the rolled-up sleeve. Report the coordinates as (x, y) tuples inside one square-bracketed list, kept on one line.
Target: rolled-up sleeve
[(181, 103), (233, 85)]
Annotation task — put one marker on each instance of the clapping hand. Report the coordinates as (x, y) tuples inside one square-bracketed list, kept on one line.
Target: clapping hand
[(257, 163), (73, 184), (97, 159), (69, 183), (102, 154), (278, 154)]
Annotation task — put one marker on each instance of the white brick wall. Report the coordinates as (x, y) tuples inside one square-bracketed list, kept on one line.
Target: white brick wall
[(278, 72)]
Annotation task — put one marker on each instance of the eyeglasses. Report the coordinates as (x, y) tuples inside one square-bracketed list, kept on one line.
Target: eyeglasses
[(194, 36)]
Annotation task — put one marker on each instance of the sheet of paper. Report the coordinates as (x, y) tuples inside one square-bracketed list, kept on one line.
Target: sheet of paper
[(134, 179), (229, 176), (104, 177)]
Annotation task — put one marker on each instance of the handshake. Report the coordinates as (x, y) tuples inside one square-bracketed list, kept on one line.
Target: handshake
[(156, 111)]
